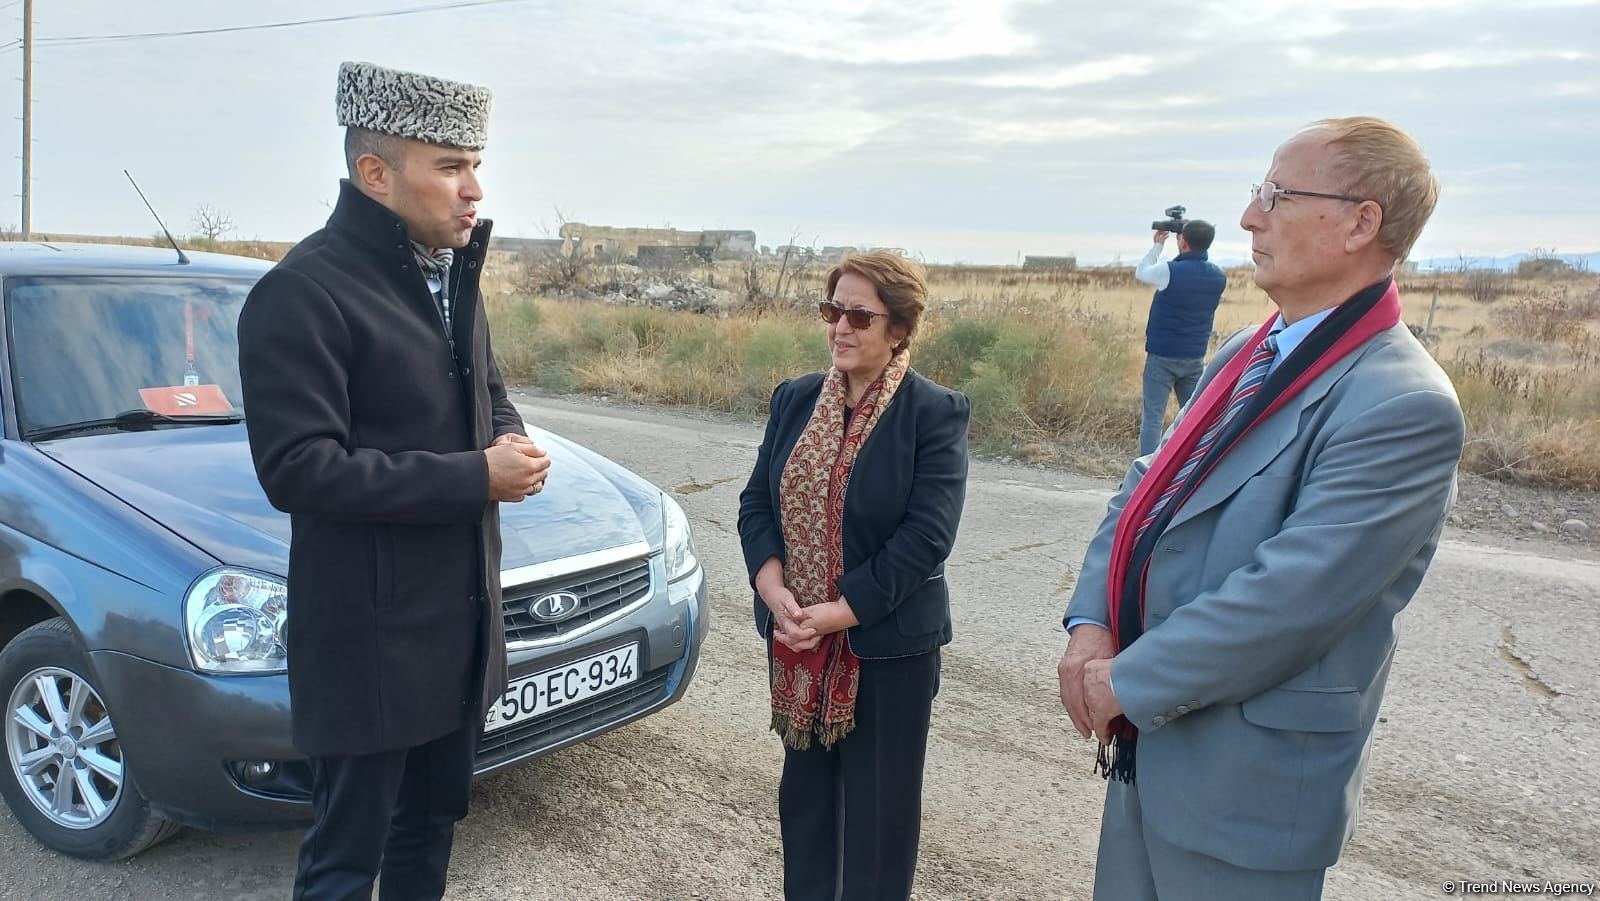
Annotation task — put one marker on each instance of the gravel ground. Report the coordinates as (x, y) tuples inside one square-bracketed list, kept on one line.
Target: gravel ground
[(1483, 767), (1522, 513)]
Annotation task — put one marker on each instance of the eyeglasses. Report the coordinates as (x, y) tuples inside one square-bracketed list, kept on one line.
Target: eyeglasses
[(859, 317), (1266, 194)]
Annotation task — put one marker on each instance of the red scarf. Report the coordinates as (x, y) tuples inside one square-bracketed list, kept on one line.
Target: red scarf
[(814, 692), (1352, 325)]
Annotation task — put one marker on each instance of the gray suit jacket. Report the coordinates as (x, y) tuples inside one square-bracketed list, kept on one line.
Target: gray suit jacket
[(1270, 607)]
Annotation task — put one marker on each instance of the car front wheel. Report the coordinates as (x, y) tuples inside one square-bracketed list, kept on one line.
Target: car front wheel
[(65, 777)]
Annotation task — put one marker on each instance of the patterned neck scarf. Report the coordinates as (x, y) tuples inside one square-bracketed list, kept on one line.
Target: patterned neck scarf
[(814, 692), (435, 266)]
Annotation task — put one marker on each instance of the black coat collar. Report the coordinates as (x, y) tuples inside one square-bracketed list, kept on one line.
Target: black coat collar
[(374, 225)]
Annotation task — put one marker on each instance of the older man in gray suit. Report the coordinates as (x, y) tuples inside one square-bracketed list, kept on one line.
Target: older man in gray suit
[(1234, 622)]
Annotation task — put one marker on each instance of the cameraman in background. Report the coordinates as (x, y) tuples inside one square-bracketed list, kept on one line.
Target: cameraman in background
[(1188, 289)]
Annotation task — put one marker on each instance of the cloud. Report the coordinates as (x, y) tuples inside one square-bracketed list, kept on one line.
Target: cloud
[(1466, 58), (971, 129), (910, 31), (1084, 73)]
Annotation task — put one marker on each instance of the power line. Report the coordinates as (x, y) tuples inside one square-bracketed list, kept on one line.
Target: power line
[(29, 42), (87, 39)]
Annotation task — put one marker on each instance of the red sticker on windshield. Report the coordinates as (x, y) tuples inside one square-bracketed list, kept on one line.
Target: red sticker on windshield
[(186, 400)]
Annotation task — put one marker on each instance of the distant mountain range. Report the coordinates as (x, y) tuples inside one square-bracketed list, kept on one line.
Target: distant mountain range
[(1587, 262)]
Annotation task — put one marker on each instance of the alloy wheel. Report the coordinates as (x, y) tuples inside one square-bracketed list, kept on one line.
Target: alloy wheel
[(64, 751)]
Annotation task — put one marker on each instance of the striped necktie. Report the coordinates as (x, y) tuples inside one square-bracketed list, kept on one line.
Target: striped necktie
[(1250, 381)]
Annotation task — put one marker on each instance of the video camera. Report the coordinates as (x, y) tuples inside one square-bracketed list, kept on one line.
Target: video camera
[(1174, 222)]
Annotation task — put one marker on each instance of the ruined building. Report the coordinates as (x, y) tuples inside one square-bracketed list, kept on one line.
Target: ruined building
[(627, 243), (1033, 261)]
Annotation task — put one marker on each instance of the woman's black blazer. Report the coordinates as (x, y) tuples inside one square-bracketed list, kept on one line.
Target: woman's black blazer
[(900, 512)]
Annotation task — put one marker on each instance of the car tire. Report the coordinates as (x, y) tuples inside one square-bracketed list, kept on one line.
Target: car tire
[(100, 814)]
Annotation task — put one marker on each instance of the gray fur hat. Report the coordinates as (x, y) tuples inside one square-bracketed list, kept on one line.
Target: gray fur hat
[(413, 105)]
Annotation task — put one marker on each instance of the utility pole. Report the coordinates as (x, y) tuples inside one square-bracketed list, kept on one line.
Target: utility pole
[(27, 119)]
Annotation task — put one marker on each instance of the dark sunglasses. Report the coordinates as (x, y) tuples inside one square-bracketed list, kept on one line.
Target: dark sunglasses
[(859, 317)]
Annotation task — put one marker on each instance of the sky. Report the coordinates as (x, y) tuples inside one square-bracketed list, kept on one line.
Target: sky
[(961, 130)]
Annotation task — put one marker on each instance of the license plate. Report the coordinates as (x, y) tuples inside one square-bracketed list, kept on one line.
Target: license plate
[(550, 690)]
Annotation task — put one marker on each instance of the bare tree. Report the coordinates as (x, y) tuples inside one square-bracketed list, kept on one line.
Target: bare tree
[(211, 222), (793, 264), (755, 292), (1483, 284), (563, 270), (670, 265)]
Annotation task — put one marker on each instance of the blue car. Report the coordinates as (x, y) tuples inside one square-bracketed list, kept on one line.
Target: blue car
[(143, 574)]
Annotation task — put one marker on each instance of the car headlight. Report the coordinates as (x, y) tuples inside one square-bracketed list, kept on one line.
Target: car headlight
[(680, 544), (234, 621)]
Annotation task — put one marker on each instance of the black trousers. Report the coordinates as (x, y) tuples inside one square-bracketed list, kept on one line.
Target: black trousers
[(396, 810), (851, 815)]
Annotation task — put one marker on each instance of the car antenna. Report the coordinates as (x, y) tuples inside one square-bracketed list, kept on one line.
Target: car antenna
[(182, 259)]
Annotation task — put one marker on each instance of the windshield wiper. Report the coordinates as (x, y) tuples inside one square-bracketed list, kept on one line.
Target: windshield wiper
[(131, 421)]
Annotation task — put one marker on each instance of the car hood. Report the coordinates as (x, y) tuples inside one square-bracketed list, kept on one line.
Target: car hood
[(200, 483)]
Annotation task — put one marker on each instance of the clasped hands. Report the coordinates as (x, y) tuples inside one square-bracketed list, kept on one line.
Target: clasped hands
[(795, 627), (517, 468), (1085, 676)]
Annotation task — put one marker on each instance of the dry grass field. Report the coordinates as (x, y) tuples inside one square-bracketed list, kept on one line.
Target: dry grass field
[(1052, 360)]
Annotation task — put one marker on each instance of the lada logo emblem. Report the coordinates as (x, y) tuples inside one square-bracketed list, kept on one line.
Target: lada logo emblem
[(553, 608)]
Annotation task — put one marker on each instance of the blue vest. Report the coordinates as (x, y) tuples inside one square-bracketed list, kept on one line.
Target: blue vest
[(1180, 315)]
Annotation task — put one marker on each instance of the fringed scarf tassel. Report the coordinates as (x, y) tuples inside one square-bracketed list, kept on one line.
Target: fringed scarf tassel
[(1117, 759), (798, 737)]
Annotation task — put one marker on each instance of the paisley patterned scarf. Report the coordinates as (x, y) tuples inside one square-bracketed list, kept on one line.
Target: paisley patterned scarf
[(814, 692)]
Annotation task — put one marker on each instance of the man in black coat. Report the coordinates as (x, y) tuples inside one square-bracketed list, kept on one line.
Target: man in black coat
[(379, 422)]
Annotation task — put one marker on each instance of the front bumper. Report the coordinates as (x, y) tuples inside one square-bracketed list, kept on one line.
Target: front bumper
[(669, 634), (179, 729), (186, 733)]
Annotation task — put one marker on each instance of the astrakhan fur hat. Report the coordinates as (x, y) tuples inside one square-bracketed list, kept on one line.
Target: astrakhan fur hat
[(413, 105)]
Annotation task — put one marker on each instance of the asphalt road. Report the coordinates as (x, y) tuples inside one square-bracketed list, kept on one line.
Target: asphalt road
[(1486, 763)]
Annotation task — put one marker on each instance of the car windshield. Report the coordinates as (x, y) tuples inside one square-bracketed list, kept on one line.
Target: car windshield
[(123, 350)]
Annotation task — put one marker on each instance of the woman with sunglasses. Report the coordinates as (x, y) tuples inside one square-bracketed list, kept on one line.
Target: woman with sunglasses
[(846, 523)]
